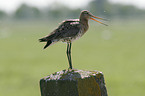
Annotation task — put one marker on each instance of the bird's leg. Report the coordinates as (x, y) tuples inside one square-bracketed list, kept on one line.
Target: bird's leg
[(69, 55)]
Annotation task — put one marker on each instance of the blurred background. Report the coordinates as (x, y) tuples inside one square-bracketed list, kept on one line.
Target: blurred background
[(117, 50)]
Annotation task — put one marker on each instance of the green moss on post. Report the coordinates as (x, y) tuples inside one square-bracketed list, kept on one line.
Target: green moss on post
[(73, 83)]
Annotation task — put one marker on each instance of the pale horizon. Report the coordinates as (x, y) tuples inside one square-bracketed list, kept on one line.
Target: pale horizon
[(10, 6)]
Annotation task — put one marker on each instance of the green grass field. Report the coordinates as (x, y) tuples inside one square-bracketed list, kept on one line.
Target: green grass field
[(117, 50)]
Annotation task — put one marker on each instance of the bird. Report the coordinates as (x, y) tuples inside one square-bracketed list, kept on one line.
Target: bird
[(70, 30)]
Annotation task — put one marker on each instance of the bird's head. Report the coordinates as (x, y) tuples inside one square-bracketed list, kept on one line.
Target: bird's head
[(87, 15)]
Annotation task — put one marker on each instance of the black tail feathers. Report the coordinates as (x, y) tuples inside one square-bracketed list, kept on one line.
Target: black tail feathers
[(47, 44), (43, 40)]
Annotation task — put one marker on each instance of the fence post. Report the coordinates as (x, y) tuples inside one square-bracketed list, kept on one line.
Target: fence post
[(73, 83)]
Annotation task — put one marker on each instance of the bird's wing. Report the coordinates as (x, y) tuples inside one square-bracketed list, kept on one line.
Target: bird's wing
[(68, 28)]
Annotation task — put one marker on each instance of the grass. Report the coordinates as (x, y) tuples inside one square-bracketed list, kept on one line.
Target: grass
[(117, 50)]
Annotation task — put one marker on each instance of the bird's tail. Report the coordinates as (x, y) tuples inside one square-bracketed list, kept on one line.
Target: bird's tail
[(43, 39), (49, 39), (47, 44)]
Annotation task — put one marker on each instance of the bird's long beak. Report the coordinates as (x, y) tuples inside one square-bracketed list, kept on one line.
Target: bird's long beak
[(97, 20)]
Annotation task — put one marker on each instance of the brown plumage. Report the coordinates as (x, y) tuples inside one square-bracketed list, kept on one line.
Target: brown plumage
[(70, 30)]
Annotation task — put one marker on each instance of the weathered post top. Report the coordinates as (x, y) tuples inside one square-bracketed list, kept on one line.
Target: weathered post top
[(73, 82)]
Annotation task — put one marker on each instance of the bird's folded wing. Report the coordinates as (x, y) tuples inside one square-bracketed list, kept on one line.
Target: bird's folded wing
[(67, 29)]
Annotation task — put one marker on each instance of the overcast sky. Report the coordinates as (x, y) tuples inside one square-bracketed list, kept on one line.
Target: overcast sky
[(12, 5)]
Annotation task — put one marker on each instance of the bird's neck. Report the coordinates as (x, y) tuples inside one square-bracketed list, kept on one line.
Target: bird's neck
[(84, 22)]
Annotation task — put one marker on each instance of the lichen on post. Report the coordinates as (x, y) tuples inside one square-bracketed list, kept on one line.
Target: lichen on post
[(73, 82)]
